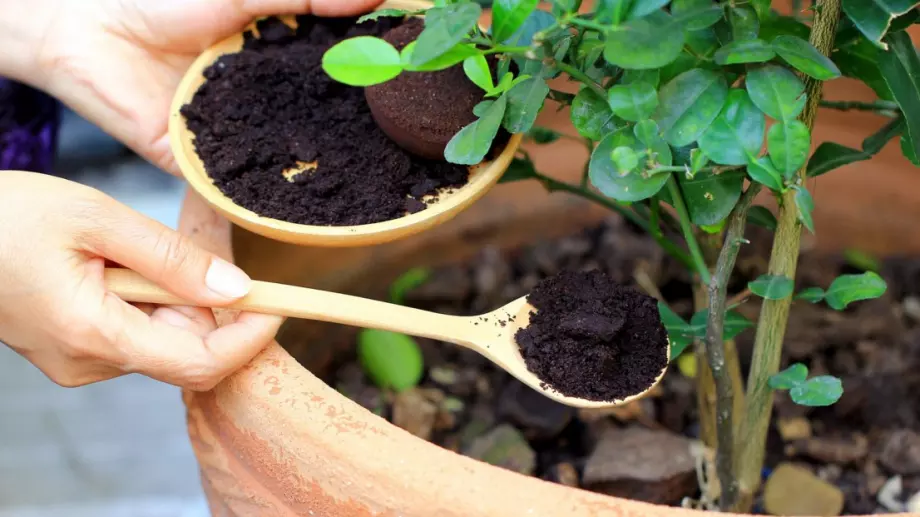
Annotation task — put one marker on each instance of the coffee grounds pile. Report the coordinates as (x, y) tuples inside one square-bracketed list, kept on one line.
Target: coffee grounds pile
[(270, 107), (593, 338)]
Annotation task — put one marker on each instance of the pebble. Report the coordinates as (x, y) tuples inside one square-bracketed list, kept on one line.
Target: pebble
[(794, 491), (415, 413), (540, 417), (901, 452), (839, 450), (504, 447), (796, 428)]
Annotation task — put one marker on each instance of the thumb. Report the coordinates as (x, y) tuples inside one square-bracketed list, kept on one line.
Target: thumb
[(162, 255)]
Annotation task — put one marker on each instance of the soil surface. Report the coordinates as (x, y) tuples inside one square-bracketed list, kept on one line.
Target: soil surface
[(593, 338), (422, 111), (271, 109), (644, 450)]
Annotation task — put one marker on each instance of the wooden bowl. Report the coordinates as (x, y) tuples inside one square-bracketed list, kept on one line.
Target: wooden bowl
[(447, 205)]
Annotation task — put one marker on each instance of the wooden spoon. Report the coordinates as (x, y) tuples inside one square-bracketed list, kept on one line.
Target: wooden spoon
[(447, 205), (492, 334)]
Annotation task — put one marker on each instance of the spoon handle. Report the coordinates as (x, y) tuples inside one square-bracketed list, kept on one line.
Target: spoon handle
[(312, 304)]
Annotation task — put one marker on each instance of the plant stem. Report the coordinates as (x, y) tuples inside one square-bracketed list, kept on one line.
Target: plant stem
[(861, 106), (686, 227), (505, 49), (715, 350), (588, 24), (771, 327), (581, 76)]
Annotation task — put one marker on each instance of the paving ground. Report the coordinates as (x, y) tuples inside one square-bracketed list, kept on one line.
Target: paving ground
[(114, 449)]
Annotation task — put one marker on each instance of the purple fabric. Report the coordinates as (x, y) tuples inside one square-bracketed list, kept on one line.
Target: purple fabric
[(29, 121)]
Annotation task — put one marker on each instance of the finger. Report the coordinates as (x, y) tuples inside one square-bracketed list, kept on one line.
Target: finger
[(318, 7), (160, 254)]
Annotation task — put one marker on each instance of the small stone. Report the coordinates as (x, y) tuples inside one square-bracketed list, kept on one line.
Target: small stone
[(414, 412), (443, 375), (642, 464), (504, 447), (540, 417), (794, 491), (901, 452), (796, 428), (912, 308), (839, 450), (913, 504), (564, 474)]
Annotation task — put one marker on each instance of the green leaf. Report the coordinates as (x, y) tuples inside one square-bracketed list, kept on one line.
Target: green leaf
[(745, 23), (477, 70), (446, 60), (762, 216), (873, 17), (745, 51), (776, 91), (503, 85), (605, 175), (735, 324), (811, 295), (537, 21), (711, 197), (657, 150), (472, 143), (762, 171), (444, 27), (901, 68), (788, 144), (408, 281), (397, 13), (679, 331), (789, 378), (645, 43), (543, 135), (909, 151), (772, 287), (698, 160), (831, 155), (640, 8), (861, 260), (846, 289), (762, 7), (634, 102), (773, 26), (860, 60), (823, 390), (518, 170), (625, 159), (652, 77), (805, 58), (805, 205), (525, 100), (689, 104), (612, 11), (698, 14), (480, 109), (736, 135), (392, 361), (592, 116), (362, 61), (509, 15)]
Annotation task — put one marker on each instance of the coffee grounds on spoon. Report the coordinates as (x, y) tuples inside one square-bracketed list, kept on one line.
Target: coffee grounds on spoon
[(593, 338), (270, 108)]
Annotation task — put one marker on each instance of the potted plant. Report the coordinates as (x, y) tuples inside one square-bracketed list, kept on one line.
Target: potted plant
[(676, 105)]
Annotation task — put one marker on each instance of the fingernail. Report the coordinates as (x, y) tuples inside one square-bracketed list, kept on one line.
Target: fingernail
[(227, 280)]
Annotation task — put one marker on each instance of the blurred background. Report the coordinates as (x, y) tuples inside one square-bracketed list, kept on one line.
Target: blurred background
[(114, 449)]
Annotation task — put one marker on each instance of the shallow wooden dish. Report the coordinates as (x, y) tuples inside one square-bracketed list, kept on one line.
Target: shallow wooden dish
[(448, 205)]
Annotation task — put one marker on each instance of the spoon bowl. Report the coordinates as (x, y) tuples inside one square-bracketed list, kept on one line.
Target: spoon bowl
[(492, 335), (447, 204)]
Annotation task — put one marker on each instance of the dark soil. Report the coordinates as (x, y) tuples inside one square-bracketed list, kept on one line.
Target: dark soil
[(468, 405), (423, 111), (593, 338), (271, 108)]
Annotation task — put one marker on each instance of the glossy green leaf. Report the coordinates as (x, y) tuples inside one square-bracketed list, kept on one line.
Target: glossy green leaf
[(773, 26), (811, 295), (652, 77), (698, 160), (392, 13), (612, 11), (446, 60), (762, 171), (861, 260), (634, 101), (734, 325), (744, 22), (679, 331), (831, 155), (525, 100), (477, 70), (657, 150), (543, 135), (518, 170), (776, 91), (789, 378), (606, 177), (408, 281), (805, 205), (625, 159), (762, 8), (392, 361), (772, 287), (444, 28), (804, 57), (592, 116), (482, 107), (860, 60), (509, 15), (362, 61), (471, 145), (900, 66), (909, 151), (689, 104), (846, 289), (745, 51), (762, 216), (823, 390), (696, 14), (873, 17), (710, 197), (645, 43), (537, 21), (736, 135), (640, 8), (788, 144)]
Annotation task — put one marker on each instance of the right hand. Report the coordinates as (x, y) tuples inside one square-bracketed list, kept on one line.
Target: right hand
[(55, 238)]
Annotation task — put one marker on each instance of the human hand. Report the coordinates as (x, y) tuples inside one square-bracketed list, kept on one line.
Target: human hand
[(55, 311), (119, 62)]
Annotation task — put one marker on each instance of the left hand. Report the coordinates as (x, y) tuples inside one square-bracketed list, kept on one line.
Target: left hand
[(119, 62)]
